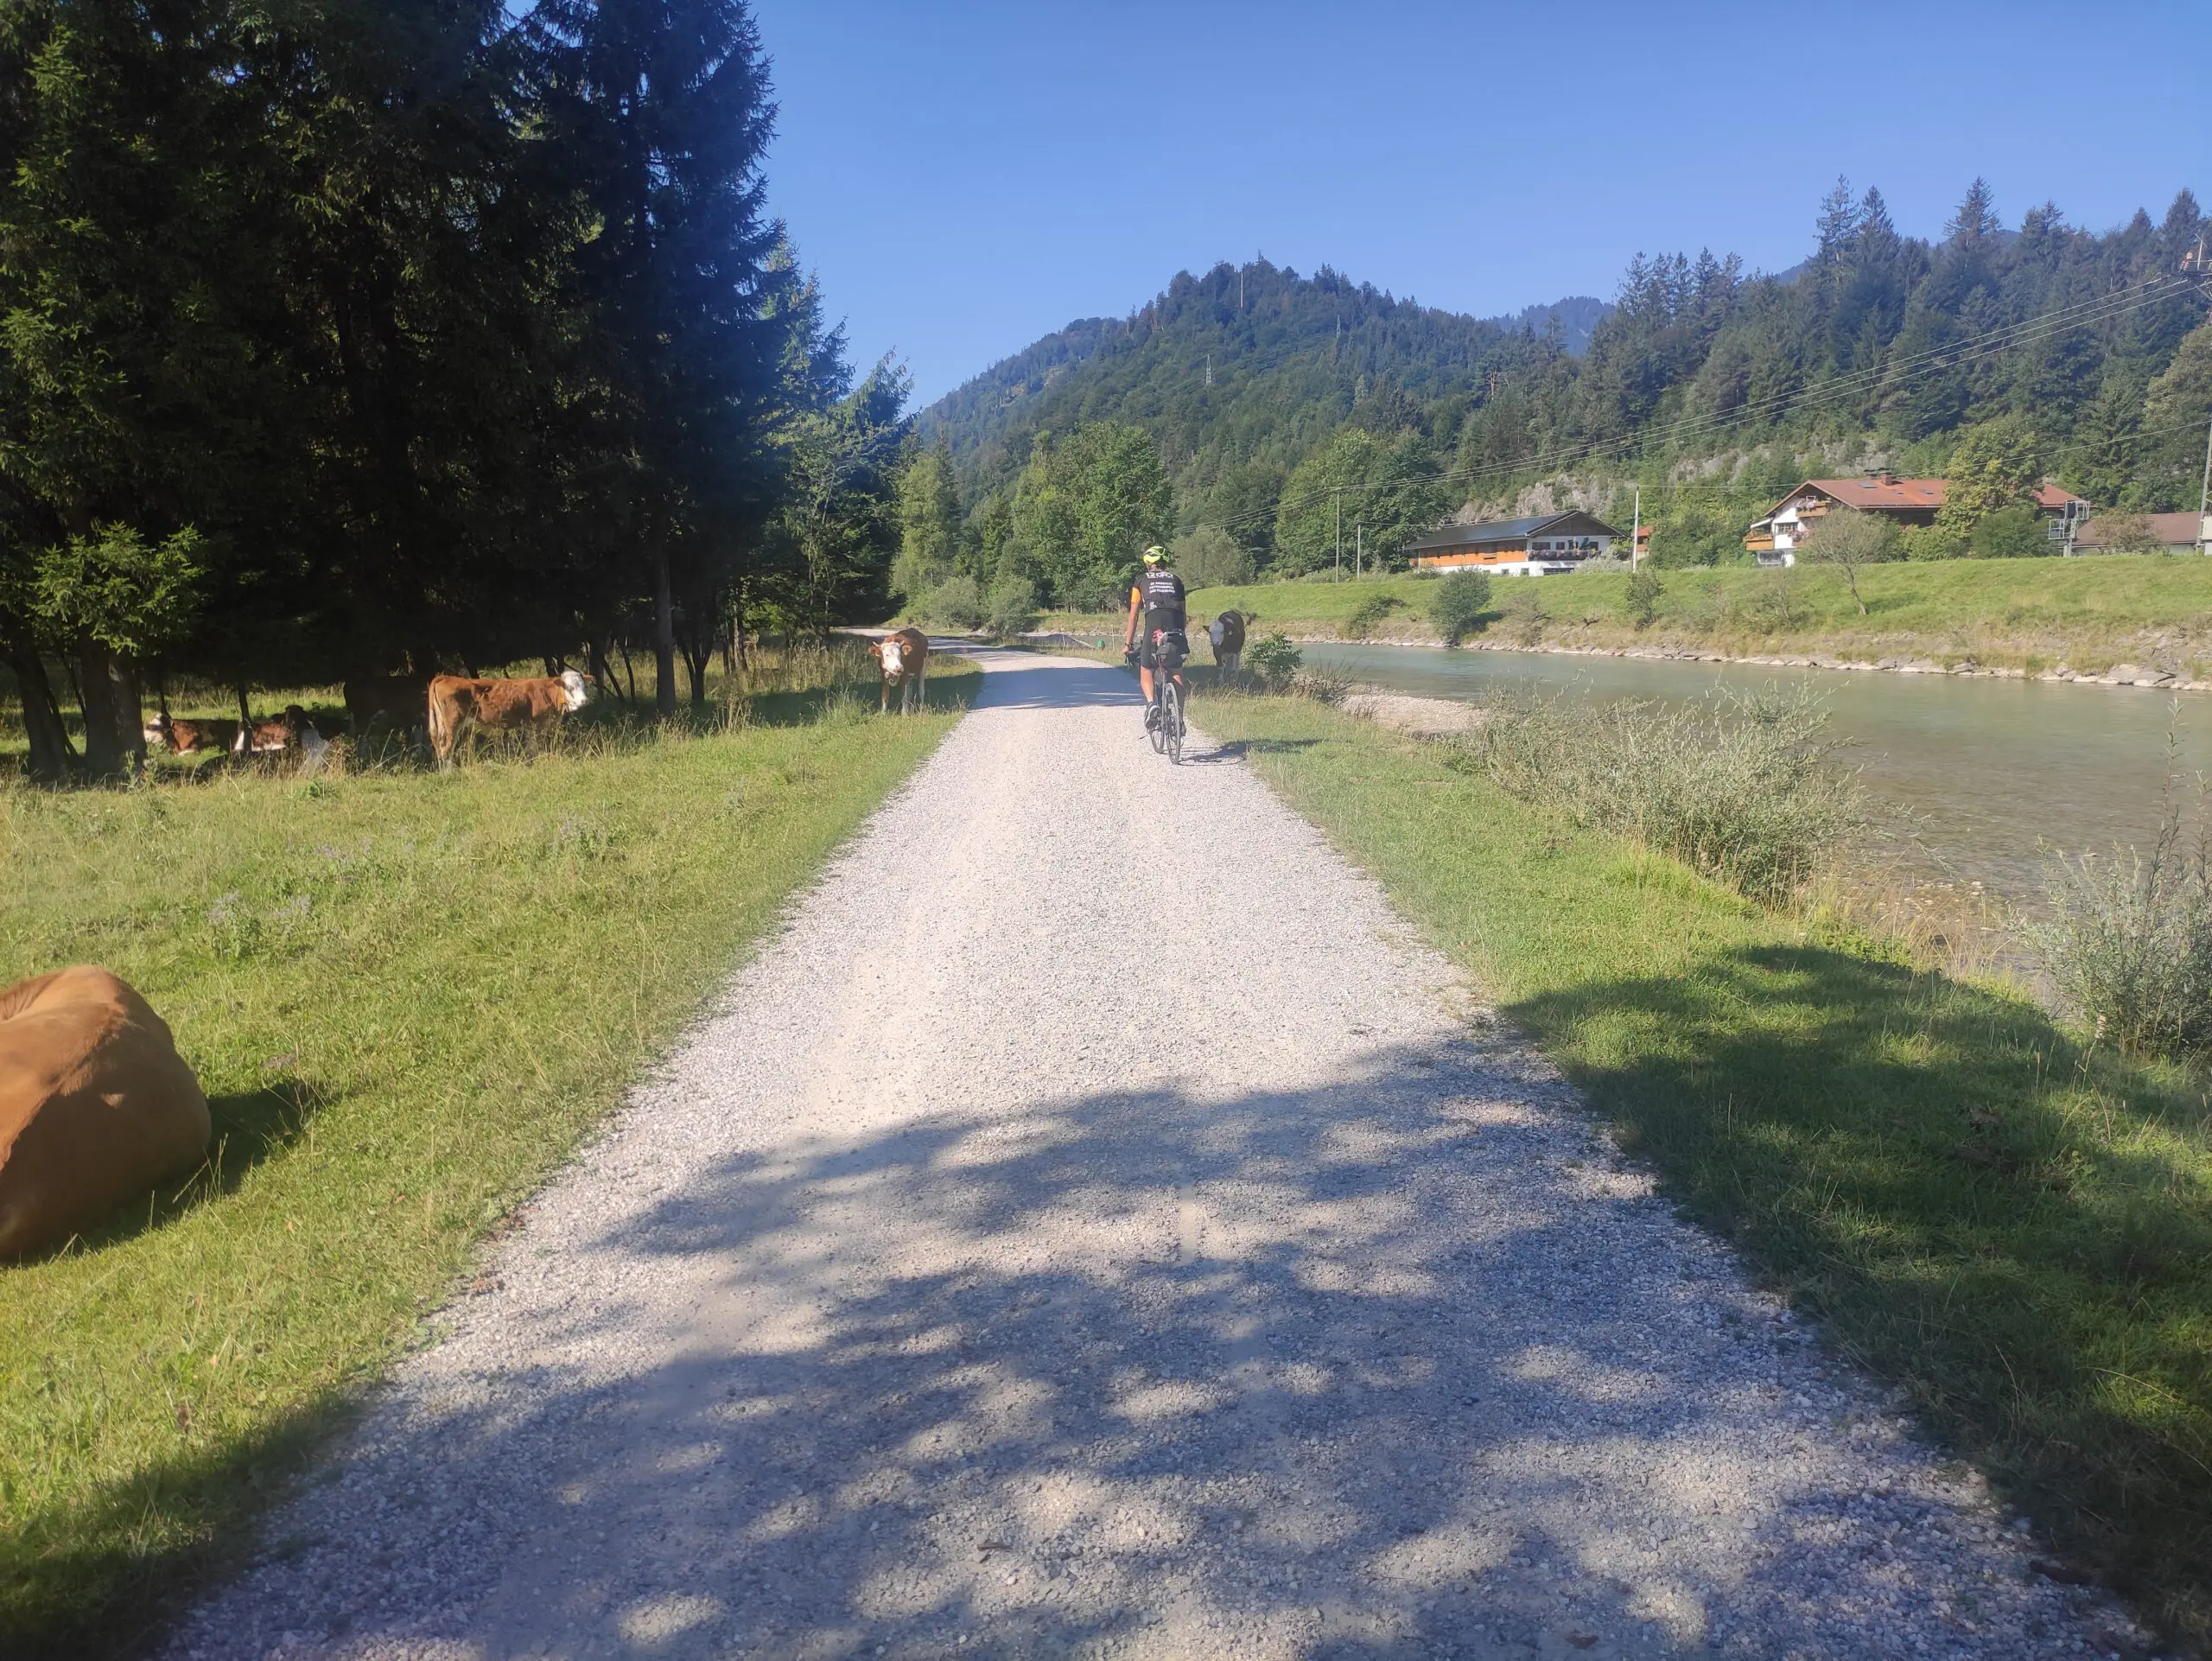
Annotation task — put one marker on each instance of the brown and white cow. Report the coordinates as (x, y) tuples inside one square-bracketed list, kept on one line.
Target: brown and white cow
[(190, 737), (278, 733), (459, 705), (903, 657), (288, 733), (1227, 633)]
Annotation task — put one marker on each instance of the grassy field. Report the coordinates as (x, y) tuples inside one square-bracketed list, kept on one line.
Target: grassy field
[(2032, 613), (407, 995), (2015, 1229)]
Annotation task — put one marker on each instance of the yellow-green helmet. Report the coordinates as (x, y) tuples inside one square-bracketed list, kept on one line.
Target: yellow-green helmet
[(1155, 555)]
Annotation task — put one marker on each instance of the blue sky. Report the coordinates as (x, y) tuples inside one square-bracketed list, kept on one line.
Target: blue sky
[(966, 177)]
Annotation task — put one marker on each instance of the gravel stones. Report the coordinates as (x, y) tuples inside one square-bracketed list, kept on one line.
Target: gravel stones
[(1095, 1226)]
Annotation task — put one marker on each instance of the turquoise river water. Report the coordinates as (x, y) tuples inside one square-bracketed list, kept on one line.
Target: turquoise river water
[(1999, 774)]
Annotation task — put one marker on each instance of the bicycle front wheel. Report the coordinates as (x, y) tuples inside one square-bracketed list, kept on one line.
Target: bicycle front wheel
[(1172, 719), (1160, 723)]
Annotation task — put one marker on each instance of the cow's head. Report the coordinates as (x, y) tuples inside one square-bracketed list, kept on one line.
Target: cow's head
[(156, 732), (574, 691), (891, 652)]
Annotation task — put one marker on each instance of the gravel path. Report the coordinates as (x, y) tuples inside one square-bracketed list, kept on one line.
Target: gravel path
[(959, 1291)]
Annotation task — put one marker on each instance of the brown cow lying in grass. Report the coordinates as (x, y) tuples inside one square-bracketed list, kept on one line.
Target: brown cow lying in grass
[(278, 733), (96, 1106), (904, 656), (459, 705), (190, 737), (289, 734)]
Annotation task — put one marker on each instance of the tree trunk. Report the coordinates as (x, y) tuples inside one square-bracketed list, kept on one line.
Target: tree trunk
[(663, 635), (105, 754), (245, 717), (52, 758), (130, 711), (601, 670), (630, 673), (695, 660)]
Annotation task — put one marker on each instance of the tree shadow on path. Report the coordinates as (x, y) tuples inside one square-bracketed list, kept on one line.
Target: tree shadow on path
[(1397, 1365)]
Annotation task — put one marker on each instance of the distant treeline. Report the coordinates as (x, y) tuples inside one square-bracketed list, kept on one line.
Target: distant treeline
[(343, 339), (1279, 406)]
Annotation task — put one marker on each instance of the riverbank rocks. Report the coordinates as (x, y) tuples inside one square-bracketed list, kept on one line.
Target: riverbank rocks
[(96, 1106), (1421, 717)]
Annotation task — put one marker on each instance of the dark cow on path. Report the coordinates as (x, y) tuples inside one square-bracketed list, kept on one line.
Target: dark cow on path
[(1228, 636), (190, 737), (458, 705), (903, 657)]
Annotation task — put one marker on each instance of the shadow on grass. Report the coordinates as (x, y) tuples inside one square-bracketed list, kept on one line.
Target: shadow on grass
[(1240, 749), (899, 1391), (2018, 1232)]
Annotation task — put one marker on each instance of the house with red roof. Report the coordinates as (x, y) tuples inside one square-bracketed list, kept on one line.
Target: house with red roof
[(2145, 533), (1774, 538)]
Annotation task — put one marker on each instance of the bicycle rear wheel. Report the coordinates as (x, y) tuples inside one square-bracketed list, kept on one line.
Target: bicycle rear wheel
[(1172, 719), (1159, 721)]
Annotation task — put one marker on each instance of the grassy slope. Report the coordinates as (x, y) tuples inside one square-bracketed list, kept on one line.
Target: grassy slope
[(407, 996), (2019, 1234), (2029, 612)]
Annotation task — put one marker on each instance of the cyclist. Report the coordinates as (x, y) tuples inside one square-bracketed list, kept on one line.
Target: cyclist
[(1156, 601)]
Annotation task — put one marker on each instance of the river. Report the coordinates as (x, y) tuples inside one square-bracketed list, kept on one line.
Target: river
[(1999, 773)]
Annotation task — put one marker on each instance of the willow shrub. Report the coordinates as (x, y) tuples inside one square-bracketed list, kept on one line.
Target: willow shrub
[(2127, 939), (1744, 788)]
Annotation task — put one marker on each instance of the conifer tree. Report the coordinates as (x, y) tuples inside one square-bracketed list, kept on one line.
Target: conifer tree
[(666, 104)]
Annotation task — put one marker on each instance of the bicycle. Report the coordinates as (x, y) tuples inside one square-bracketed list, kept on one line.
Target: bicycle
[(1167, 722)]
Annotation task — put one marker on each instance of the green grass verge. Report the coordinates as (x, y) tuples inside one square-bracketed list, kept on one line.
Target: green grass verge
[(2018, 613), (2018, 1232), (407, 996)]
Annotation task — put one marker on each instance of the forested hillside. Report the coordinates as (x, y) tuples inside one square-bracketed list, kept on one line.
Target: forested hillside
[(1242, 365), (1279, 407)]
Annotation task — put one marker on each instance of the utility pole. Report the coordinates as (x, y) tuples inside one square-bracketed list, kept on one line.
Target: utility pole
[(1359, 546), (2204, 495), (1209, 368), (1636, 528), (1337, 496)]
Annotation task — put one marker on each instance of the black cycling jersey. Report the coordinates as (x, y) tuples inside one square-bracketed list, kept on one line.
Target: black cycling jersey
[(1161, 593)]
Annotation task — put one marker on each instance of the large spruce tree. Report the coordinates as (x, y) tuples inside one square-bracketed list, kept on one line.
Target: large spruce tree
[(663, 108)]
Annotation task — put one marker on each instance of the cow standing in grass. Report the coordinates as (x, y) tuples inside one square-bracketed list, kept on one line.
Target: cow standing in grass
[(458, 705), (903, 657), (1228, 636)]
